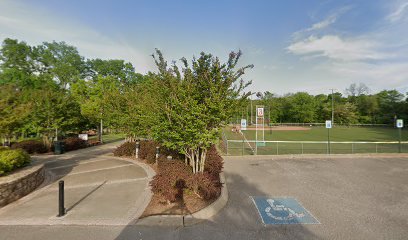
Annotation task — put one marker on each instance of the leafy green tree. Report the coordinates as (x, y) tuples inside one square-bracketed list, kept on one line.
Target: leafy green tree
[(16, 63), (12, 111), (53, 110), (346, 114), (133, 110), (61, 61), (123, 71), (95, 99), (367, 107), (193, 106), (390, 105), (302, 107), (323, 108)]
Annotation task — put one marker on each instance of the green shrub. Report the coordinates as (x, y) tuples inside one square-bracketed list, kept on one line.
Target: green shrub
[(3, 148), (30, 146), (13, 159)]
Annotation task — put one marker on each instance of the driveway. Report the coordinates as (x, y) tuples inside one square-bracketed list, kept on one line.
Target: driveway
[(99, 189)]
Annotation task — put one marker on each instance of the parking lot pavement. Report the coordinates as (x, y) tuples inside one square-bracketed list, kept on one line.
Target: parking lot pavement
[(361, 197), (352, 198)]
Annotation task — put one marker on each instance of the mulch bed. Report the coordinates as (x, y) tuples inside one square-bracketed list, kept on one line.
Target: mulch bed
[(189, 204)]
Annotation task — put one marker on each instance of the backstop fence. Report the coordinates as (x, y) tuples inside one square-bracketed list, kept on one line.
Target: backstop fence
[(250, 147)]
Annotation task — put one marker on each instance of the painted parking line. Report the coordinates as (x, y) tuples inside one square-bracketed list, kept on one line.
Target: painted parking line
[(285, 210)]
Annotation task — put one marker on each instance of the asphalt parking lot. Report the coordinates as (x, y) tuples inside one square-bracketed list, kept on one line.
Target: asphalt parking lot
[(351, 197)]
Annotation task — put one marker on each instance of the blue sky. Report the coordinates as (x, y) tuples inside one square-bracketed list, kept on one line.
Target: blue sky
[(310, 46)]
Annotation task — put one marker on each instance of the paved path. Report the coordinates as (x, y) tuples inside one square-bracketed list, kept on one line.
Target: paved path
[(351, 197), (99, 189)]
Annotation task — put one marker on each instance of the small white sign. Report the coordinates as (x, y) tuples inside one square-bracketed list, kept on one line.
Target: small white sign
[(243, 124), (400, 123), (328, 124), (83, 136), (260, 112)]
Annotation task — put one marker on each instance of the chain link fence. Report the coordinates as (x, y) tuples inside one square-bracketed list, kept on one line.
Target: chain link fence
[(248, 147)]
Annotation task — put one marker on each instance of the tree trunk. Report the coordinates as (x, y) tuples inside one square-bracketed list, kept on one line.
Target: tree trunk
[(196, 159), (46, 141), (202, 160)]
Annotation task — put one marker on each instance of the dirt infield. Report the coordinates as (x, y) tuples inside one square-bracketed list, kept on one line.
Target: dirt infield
[(282, 128)]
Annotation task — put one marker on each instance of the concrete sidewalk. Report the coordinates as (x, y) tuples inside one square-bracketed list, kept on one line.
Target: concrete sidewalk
[(100, 189)]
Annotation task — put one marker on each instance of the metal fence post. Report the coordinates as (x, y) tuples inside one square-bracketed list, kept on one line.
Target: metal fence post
[(242, 148), (302, 147), (277, 148), (227, 147), (352, 148), (376, 147)]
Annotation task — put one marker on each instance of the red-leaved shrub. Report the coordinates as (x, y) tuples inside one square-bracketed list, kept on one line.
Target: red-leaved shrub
[(147, 151), (171, 179), (127, 149), (93, 142), (204, 185), (74, 143), (213, 162), (31, 146)]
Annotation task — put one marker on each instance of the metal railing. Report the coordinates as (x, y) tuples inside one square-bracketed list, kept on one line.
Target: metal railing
[(251, 147)]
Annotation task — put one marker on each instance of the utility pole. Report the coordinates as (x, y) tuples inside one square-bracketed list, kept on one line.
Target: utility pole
[(332, 106)]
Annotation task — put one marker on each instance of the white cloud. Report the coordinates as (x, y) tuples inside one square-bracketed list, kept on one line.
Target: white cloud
[(331, 19), (323, 24), (398, 13), (377, 58), (336, 48), (35, 26), (376, 76)]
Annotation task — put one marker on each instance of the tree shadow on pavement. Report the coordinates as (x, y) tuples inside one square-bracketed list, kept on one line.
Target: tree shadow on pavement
[(239, 219)]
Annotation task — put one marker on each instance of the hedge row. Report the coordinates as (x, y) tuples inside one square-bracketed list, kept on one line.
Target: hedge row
[(74, 143), (37, 146), (11, 159), (30, 146), (147, 151)]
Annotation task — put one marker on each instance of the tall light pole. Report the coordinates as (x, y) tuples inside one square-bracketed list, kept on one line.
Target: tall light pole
[(332, 106), (251, 108)]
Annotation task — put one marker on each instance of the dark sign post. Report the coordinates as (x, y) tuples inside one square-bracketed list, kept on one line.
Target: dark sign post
[(400, 125), (328, 126), (61, 208)]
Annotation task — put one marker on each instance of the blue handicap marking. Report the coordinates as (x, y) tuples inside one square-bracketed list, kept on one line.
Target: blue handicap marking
[(282, 211)]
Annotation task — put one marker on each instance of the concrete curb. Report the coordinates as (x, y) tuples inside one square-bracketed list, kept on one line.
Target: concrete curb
[(194, 218)]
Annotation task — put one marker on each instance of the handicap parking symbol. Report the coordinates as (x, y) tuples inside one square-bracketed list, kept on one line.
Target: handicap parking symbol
[(282, 211)]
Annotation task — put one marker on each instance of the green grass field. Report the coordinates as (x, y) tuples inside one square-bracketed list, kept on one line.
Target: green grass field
[(111, 137), (337, 134)]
